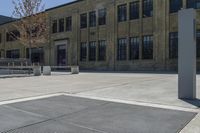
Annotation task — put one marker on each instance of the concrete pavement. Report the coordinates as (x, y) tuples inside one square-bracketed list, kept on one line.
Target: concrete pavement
[(66, 114), (156, 90)]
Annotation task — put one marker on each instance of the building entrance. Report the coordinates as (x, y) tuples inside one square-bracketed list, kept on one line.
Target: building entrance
[(61, 55)]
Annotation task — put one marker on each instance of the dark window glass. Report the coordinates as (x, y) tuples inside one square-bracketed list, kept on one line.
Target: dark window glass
[(83, 52), (122, 13), (13, 54), (12, 35), (134, 48), (102, 50), (0, 38), (175, 5), (92, 19), (68, 23), (83, 20), (92, 51), (102, 16), (54, 27), (198, 43), (37, 55), (173, 45), (193, 4), (122, 49), (61, 25), (134, 10), (147, 48), (147, 8)]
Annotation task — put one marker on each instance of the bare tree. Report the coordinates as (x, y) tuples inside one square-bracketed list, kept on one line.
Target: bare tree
[(32, 23)]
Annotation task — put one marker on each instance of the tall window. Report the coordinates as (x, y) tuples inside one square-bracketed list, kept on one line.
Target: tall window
[(92, 51), (92, 19), (134, 10), (102, 50), (134, 48), (69, 23), (102, 16), (147, 8), (122, 49), (83, 20), (61, 25), (193, 4), (175, 5), (13, 54), (198, 43), (147, 48), (173, 45), (54, 27), (122, 13), (83, 51), (0, 37)]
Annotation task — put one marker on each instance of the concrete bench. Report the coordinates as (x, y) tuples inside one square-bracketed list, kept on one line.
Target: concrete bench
[(47, 69)]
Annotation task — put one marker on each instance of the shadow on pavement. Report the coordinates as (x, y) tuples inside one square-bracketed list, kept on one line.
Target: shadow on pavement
[(195, 102)]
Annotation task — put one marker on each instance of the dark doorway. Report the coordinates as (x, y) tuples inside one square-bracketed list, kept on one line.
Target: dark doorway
[(61, 55)]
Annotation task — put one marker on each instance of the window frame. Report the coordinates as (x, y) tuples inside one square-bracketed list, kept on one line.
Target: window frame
[(83, 20), (102, 49), (122, 49), (102, 13), (147, 8), (69, 23), (134, 10), (134, 48), (147, 47), (122, 13)]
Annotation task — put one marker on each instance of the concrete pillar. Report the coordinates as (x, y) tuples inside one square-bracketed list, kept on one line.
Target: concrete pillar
[(187, 54)]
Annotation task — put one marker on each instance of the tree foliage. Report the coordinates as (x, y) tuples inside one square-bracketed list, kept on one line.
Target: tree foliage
[(32, 22)]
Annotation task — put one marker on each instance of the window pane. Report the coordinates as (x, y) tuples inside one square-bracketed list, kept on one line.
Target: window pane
[(61, 25), (193, 4), (122, 13), (102, 50), (83, 52), (134, 48), (13, 54), (147, 48), (83, 20), (92, 51), (198, 43), (122, 49), (54, 27), (175, 5), (173, 45), (134, 10), (68, 23), (102, 16), (92, 19), (147, 8)]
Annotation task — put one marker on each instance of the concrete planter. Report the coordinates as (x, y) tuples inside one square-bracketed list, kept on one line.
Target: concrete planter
[(37, 70), (74, 69), (46, 70)]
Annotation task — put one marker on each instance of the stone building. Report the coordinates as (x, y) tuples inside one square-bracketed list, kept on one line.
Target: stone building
[(109, 35)]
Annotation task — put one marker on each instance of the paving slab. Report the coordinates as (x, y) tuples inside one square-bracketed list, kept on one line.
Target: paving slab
[(11, 118), (122, 118), (56, 106), (80, 115)]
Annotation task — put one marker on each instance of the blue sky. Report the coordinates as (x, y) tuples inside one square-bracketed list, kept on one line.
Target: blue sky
[(6, 6)]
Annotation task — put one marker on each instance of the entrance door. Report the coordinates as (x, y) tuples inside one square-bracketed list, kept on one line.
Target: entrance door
[(61, 55)]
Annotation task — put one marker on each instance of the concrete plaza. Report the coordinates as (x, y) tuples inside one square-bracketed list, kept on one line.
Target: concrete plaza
[(145, 89)]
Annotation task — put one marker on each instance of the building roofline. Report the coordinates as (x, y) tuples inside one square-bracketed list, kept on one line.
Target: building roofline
[(67, 4)]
